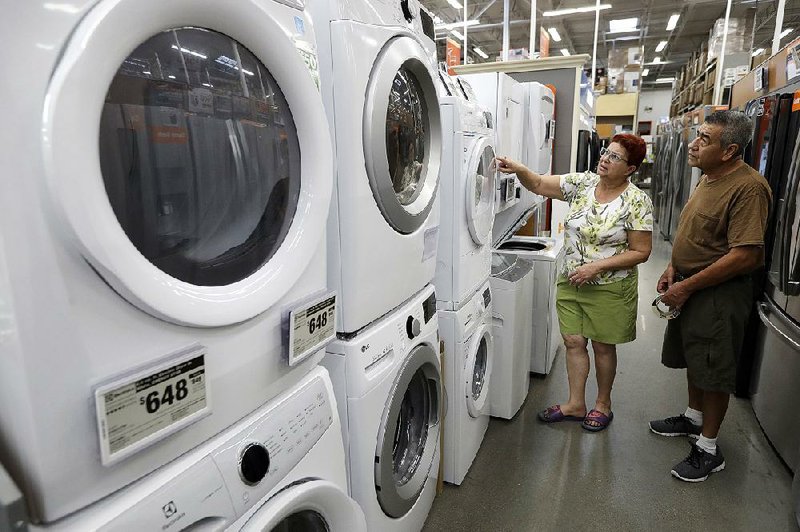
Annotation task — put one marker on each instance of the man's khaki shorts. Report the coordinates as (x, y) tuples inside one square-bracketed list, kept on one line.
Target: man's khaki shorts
[(707, 336)]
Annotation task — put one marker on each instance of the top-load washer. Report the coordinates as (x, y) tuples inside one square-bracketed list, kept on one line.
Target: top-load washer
[(381, 98), (281, 468), (464, 257), (162, 221), (505, 98)]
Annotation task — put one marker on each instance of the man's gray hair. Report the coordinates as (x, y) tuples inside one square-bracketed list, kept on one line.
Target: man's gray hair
[(737, 128)]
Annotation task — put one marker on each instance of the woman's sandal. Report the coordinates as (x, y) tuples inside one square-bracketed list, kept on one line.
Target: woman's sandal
[(598, 417), (553, 414)]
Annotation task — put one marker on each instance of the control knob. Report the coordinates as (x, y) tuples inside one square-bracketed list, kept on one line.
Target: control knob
[(253, 464), (412, 327)]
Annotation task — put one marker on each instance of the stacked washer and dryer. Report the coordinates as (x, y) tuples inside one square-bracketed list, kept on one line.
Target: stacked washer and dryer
[(463, 266), (163, 290), (381, 100)]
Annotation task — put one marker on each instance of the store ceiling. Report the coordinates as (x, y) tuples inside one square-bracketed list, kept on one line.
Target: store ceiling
[(577, 30)]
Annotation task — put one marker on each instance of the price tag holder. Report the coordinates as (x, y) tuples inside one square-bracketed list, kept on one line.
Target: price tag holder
[(311, 326), (148, 405), (758, 79)]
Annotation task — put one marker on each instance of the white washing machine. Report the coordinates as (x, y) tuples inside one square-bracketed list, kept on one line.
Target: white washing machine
[(468, 359), (505, 97), (387, 381), (380, 95), (464, 257), (545, 254), (162, 212), (281, 468), (512, 286)]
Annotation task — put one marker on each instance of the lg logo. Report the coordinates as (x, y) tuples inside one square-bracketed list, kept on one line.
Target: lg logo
[(169, 509)]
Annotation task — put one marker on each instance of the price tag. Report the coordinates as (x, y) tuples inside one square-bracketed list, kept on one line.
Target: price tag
[(134, 412), (311, 326), (758, 79)]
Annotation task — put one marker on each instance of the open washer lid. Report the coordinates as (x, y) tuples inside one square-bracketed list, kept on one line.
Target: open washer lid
[(310, 505), (402, 134), (481, 173)]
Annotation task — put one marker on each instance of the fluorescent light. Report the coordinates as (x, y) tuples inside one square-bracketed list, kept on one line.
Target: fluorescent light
[(207, 85), (171, 76), (564, 51), (661, 46), (437, 20), (785, 32), (573, 10), (645, 72), (190, 52), (458, 34), (554, 34), (673, 21), (758, 52), (455, 4), (461, 24), (623, 24), (665, 80), (480, 52), (147, 72), (656, 60)]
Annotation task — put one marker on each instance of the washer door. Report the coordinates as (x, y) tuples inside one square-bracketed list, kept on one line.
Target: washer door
[(308, 506), (478, 371), (194, 167), (480, 185), (402, 134), (409, 433)]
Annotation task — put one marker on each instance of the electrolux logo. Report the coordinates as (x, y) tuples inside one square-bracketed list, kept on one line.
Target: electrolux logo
[(169, 509), (364, 348)]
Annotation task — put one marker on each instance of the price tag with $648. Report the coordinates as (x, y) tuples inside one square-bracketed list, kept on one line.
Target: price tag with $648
[(312, 325)]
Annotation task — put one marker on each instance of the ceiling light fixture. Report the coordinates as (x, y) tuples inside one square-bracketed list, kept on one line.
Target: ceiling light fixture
[(785, 32), (673, 21), (458, 34), (455, 3), (573, 10), (665, 80), (645, 72), (758, 52), (656, 60), (661, 46), (554, 34), (480, 52), (564, 51), (623, 24)]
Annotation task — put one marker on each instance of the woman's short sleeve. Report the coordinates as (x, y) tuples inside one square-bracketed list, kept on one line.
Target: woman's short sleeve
[(640, 213), (574, 185)]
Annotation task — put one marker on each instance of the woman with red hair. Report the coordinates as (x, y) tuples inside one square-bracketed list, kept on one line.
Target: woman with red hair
[(608, 231)]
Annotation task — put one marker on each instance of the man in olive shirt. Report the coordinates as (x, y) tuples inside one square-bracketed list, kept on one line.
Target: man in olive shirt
[(719, 242)]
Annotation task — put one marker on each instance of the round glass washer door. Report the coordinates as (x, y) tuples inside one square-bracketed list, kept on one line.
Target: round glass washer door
[(310, 505), (202, 185), (402, 134), (478, 372), (480, 190), (409, 433)]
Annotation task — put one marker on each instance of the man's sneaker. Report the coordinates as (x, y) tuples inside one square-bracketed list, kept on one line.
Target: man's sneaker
[(675, 426), (698, 465)]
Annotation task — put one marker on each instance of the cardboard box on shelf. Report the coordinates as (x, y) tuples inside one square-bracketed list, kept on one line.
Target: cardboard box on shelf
[(617, 59), (634, 56), (616, 80)]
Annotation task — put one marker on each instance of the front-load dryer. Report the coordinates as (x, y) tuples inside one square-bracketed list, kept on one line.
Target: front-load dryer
[(464, 256), (162, 234), (380, 94), (281, 468), (388, 386), (505, 98), (468, 358)]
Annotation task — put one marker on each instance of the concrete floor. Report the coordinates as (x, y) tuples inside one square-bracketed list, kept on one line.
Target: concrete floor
[(532, 476)]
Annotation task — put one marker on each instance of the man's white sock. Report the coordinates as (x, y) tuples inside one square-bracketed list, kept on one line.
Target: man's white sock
[(709, 445), (695, 416)]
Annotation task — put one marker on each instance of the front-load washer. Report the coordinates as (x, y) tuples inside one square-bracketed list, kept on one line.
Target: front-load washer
[(388, 386), (505, 98), (468, 358), (379, 89), (464, 256), (545, 254), (512, 284), (162, 234), (540, 129), (281, 468)]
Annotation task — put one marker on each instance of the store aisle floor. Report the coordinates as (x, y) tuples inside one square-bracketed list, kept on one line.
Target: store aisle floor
[(532, 476)]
